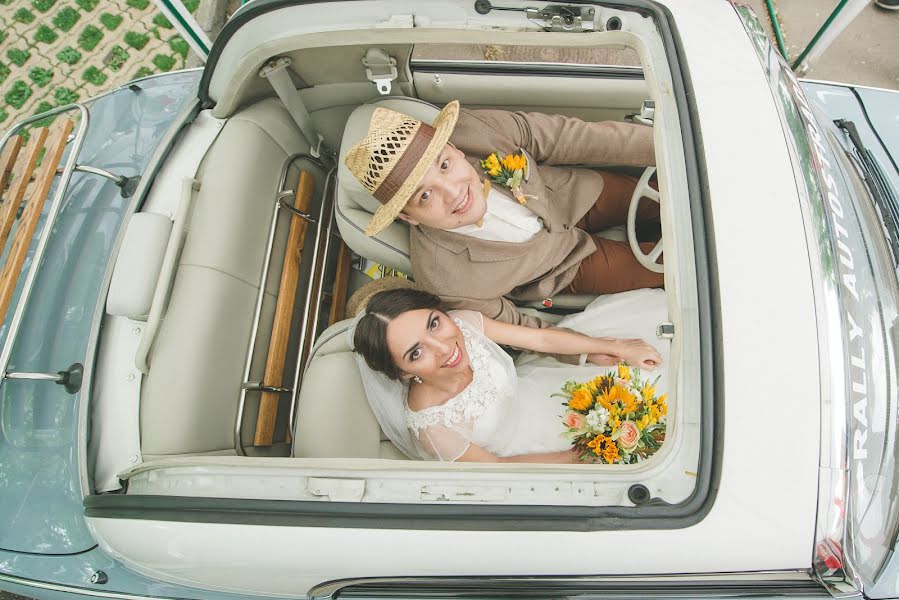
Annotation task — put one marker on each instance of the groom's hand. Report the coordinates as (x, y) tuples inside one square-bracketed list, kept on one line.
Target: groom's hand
[(639, 354)]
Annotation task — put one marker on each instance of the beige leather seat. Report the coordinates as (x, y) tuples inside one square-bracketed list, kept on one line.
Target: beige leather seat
[(189, 397), (333, 418)]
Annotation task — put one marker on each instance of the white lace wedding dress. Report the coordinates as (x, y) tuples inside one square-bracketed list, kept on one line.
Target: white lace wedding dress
[(508, 409)]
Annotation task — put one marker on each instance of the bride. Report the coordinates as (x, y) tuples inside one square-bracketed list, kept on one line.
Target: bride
[(442, 388)]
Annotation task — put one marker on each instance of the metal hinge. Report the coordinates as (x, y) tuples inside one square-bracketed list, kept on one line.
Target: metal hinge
[(665, 331), (575, 19)]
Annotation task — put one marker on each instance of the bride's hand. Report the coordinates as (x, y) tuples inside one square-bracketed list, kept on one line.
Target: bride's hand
[(603, 360), (638, 353)]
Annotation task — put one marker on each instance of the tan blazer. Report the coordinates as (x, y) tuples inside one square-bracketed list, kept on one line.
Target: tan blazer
[(483, 275)]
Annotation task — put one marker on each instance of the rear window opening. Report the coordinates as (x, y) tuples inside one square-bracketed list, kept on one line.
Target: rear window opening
[(197, 395)]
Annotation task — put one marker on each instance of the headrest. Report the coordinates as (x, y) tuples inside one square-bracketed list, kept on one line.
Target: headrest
[(355, 205)]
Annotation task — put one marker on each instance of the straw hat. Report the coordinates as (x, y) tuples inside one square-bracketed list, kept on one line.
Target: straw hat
[(393, 156), (359, 300)]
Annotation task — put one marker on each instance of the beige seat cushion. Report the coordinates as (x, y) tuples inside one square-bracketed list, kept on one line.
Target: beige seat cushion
[(333, 418)]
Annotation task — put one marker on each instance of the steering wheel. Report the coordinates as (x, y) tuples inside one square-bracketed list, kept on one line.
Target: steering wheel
[(643, 190)]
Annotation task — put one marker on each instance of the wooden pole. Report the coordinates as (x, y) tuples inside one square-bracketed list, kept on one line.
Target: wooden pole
[(277, 347), (8, 159), (341, 281), (9, 276), (22, 172)]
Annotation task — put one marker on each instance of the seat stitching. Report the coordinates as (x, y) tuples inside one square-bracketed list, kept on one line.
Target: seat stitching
[(231, 275)]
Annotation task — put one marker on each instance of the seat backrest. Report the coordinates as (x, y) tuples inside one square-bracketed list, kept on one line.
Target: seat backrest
[(333, 419), (355, 205), (189, 397)]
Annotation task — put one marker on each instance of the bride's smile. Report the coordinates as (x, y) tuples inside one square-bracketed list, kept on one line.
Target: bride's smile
[(454, 358)]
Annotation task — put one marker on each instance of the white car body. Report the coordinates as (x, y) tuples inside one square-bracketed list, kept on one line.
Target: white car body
[(763, 516)]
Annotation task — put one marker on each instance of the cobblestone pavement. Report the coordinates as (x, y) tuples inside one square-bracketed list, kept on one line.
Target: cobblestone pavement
[(53, 52)]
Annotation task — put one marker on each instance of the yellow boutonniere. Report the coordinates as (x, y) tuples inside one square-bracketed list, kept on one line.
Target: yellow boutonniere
[(509, 171)]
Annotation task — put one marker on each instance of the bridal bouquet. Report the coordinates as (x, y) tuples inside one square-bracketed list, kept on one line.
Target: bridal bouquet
[(615, 418)]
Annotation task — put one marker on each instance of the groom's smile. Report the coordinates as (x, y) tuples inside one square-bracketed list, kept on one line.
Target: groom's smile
[(450, 194)]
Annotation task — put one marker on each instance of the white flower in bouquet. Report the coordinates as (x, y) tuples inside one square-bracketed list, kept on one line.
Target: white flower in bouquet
[(597, 418)]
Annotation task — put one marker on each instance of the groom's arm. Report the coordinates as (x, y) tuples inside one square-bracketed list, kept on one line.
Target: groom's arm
[(556, 139), (501, 309)]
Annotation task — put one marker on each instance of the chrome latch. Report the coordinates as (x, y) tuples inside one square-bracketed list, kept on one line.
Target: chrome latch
[(380, 68), (665, 331), (575, 19), (647, 113)]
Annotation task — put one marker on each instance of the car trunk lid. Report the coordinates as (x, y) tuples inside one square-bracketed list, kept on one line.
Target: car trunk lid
[(52, 313)]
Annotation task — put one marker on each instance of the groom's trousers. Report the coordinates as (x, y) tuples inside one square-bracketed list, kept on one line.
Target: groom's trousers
[(613, 267)]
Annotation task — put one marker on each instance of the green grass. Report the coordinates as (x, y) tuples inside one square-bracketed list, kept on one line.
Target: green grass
[(23, 15), (160, 21), (191, 5), (69, 55), (94, 75), (4, 72), (45, 35), (3, 114), (110, 22), (18, 57), (63, 95), (42, 108), (179, 46), (43, 5), (163, 62), (89, 38), (138, 4), (40, 77), (66, 18), (18, 94), (87, 5), (136, 40), (142, 72), (3, 36), (116, 58)]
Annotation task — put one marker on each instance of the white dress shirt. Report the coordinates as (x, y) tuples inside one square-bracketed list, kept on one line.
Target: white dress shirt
[(505, 221)]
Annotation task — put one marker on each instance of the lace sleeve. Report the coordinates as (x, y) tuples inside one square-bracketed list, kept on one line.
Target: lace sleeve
[(443, 443), (472, 317)]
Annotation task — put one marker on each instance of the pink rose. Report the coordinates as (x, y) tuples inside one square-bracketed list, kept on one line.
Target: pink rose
[(628, 435), (573, 420)]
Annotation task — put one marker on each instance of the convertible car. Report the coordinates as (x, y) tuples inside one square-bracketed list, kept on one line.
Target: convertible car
[(181, 412)]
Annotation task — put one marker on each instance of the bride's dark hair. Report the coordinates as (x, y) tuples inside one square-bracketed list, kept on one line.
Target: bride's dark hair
[(370, 339)]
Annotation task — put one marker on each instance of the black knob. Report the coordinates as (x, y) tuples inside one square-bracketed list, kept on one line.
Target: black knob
[(99, 577), (483, 6), (638, 494)]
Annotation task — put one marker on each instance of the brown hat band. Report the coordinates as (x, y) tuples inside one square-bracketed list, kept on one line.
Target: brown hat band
[(403, 167)]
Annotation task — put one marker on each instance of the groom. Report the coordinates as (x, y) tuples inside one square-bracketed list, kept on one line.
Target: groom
[(482, 246)]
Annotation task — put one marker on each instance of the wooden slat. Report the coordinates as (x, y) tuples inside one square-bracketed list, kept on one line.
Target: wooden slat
[(8, 158), (9, 276), (341, 282), (277, 347), (22, 172)]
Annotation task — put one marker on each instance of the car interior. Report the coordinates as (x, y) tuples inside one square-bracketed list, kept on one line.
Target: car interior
[(202, 308)]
